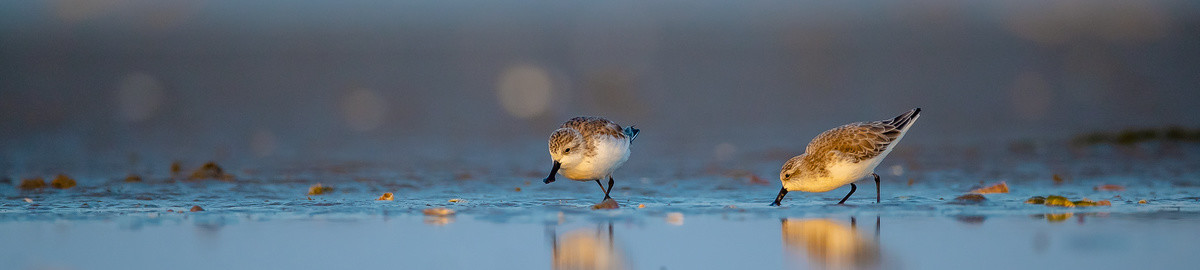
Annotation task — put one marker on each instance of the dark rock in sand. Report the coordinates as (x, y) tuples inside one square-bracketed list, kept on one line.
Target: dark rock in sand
[(210, 170), (606, 204), (969, 199)]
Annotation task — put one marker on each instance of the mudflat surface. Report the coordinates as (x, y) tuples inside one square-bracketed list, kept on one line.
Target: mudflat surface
[(689, 216)]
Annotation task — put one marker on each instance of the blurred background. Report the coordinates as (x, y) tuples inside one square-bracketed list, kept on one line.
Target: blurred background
[(88, 86)]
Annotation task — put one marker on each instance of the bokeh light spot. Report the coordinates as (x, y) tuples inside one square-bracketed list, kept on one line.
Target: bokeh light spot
[(524, 90), (262, 142), (897, 170), (138, 97), (363, 109), (724, 151)]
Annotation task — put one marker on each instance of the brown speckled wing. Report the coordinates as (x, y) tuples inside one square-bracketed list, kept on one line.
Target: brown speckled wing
[(861, 141), (588, 126), (856, 141)]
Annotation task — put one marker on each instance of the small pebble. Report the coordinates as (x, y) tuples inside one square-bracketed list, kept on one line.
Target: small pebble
[(386, 197), (197, 208), (1001, 187), (606, 204), (210, 170), (970, 198)]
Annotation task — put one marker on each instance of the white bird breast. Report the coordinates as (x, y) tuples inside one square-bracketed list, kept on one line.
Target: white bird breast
[(610, 153)]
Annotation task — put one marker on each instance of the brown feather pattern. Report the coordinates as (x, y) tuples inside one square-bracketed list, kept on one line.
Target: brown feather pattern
[(854, 142), (586, 126)]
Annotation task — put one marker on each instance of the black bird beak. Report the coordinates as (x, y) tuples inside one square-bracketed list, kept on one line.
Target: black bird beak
[(553, 171)]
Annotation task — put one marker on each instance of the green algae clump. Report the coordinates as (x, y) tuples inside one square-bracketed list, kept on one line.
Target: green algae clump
[(62, 181), (1054, 200), (32, 183), (319, 189)]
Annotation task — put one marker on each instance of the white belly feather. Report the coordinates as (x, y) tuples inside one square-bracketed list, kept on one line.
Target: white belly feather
[(840, 174), (610, 154)]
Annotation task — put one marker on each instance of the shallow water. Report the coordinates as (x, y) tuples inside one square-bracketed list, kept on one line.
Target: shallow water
[(695, 216), (627, 239)]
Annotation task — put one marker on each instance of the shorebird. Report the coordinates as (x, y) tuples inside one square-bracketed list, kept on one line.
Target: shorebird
[(844, 155), (589, 149)]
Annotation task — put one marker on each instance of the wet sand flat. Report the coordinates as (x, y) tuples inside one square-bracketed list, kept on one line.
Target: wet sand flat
[(715, 216)]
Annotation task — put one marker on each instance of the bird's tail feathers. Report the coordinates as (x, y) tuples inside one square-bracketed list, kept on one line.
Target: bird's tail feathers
[(902, 121), (631, 133)]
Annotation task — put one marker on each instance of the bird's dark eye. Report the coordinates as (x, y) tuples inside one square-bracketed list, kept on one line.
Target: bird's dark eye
[(568, 150), (787, 175)]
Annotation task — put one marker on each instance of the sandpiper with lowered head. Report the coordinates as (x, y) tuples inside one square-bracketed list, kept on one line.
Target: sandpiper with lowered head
[(844, 155), (589, 149)]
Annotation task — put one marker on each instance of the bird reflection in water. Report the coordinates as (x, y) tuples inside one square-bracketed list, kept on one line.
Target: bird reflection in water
[(586, 249), (439, 220), (831, 244)]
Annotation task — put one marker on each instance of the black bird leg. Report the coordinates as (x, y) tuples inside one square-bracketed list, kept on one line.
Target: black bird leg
[(602, 189), (876, 187), (782, 192), (852, 188), (610, 185)]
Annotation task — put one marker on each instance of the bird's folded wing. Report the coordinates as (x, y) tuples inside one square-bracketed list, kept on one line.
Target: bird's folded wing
[(856, 141)]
